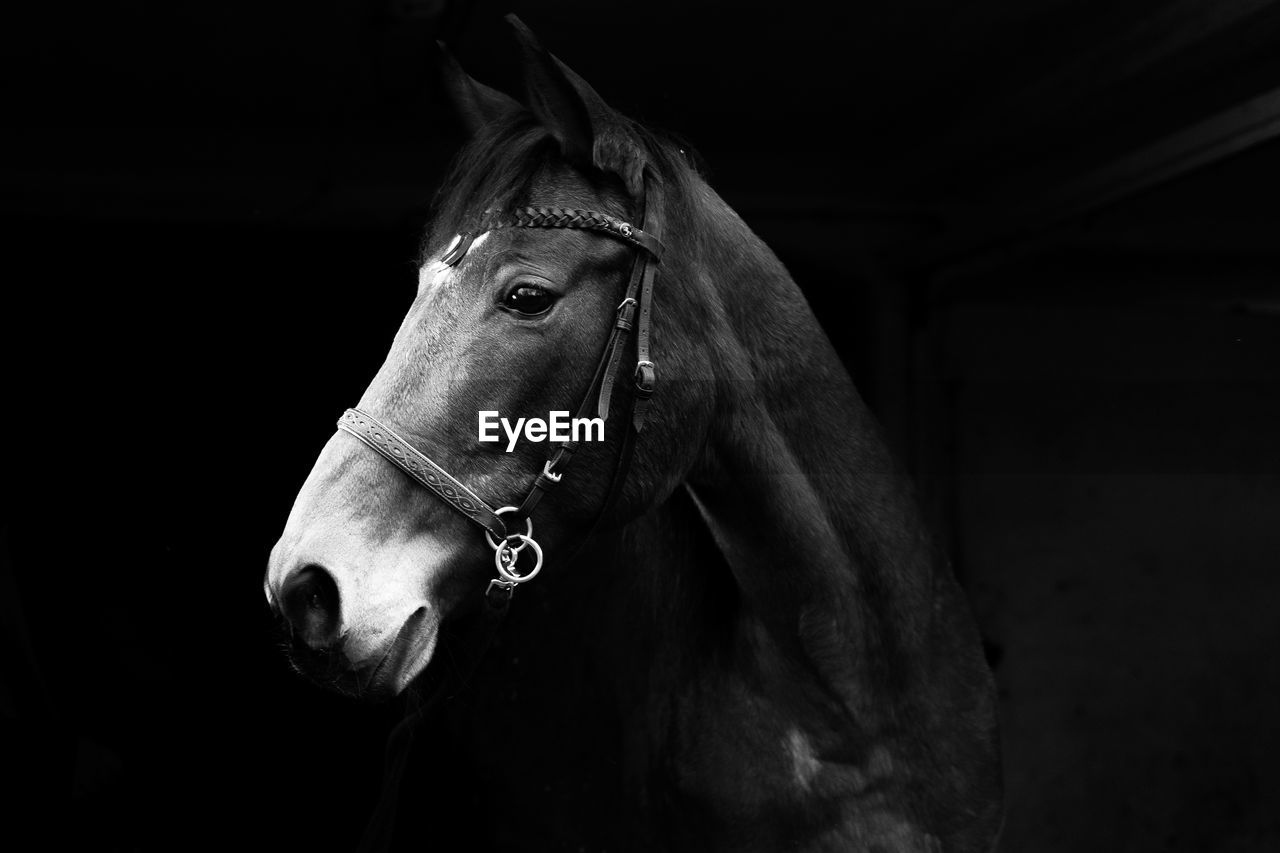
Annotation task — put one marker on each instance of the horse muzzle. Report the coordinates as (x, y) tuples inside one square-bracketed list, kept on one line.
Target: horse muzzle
[(376, 657)]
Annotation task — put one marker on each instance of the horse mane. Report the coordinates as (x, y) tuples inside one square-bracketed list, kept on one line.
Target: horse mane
[(497, 168)]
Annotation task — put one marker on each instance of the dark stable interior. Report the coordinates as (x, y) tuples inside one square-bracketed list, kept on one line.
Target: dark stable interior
[(1043, 236)]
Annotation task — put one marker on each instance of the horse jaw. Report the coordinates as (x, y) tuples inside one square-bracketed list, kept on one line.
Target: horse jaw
[(384, 569)]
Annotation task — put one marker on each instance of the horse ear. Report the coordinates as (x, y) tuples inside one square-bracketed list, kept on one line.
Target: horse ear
[(478, 105), (552, 98), (589, 131)]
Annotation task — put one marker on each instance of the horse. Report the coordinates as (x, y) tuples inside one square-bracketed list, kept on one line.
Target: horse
[(744, 637)]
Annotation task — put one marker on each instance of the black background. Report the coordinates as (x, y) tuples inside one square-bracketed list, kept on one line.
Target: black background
[(1043, 235)]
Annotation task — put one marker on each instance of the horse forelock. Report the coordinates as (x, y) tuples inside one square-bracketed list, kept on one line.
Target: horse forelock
[(507, 165), (494, 170)]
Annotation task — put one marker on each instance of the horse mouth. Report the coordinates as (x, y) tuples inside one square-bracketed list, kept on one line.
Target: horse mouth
[(405, 660)]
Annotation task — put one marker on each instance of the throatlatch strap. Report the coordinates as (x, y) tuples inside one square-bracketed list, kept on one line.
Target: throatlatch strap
[(408, 459)]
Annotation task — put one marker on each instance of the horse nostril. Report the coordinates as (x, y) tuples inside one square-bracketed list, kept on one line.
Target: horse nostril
[(309, 598)]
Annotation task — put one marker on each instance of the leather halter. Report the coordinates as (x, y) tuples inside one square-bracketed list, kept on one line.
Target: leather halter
[(638, 300)]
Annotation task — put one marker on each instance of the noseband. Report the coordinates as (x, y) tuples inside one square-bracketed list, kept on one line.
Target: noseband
[(638, 300)]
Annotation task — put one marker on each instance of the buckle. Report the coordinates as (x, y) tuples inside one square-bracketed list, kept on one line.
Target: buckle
[(646, 376), (626, 309)]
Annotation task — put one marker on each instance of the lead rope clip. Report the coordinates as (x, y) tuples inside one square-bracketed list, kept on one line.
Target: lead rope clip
[(506, 556)]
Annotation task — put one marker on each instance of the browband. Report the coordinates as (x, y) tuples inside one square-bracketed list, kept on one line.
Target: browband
[(554, 217)]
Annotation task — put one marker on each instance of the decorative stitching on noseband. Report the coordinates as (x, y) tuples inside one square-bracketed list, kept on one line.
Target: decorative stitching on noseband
[(413, 462)]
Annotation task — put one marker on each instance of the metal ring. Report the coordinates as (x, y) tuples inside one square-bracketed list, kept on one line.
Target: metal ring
[(505, 571), (528, 531)]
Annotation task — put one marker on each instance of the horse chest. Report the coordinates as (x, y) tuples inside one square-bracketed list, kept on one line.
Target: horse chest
[(738, 749), (592, 751), (750, 771)]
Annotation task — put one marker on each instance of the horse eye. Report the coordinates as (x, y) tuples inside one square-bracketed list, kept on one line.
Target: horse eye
[(528, 299)]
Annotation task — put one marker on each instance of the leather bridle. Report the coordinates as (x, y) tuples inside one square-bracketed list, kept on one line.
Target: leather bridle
[(633, 313)]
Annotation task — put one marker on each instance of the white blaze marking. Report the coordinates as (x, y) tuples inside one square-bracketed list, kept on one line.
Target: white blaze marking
[(434, 275), (431, 274)]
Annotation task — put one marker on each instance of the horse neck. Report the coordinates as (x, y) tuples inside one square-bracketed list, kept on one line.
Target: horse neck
[(817, 526)]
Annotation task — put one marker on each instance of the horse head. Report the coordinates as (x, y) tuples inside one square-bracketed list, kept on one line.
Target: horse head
[(512, 320)]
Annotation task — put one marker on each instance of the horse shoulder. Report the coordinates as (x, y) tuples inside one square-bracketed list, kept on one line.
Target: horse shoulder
[(762, 757)]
